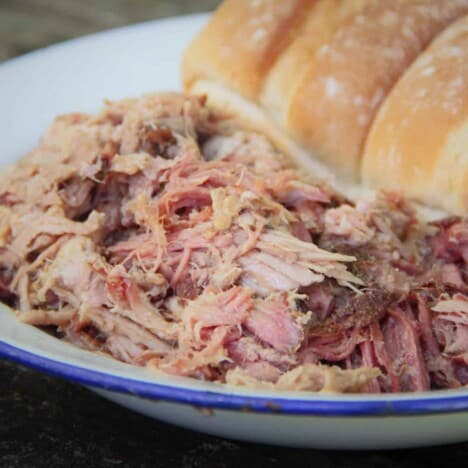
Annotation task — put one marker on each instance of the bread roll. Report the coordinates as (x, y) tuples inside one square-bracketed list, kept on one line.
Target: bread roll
[(241, 42), (320, 24), (312, 74), (336, 99), (236, 68), (252, 50), (419, 140)]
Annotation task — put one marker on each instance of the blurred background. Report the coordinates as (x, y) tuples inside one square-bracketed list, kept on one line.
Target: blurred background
[(26, 25)]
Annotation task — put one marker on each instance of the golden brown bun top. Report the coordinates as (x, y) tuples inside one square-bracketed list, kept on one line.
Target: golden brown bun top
[(319, 25), (242, 40), (338, 96), (419, 140), (315, 70)]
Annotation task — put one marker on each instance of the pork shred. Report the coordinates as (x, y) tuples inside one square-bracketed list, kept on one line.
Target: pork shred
[(164, 234)]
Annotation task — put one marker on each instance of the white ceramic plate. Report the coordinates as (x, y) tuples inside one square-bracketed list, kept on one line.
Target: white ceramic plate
[(78, 75)]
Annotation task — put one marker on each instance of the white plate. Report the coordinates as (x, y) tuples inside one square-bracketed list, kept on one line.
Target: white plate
[(77, 76)]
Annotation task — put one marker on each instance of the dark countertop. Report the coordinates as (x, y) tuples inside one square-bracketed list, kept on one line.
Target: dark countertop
[(47, 422)]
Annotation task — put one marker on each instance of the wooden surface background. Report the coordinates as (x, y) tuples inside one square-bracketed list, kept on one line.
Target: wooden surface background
[(29, 24)]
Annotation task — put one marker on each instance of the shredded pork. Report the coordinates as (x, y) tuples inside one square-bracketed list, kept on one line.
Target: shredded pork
[(163, 234)]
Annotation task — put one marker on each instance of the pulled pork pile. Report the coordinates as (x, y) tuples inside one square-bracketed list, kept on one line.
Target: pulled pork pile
[(161, 233)]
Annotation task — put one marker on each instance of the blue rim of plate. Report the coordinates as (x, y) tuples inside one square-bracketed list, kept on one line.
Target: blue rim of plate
[(433, 404)]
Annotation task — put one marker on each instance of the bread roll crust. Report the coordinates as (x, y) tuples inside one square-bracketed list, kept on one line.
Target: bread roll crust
[(321, 23), (419, 140), (336, 101), (241, 42), (312, 74)]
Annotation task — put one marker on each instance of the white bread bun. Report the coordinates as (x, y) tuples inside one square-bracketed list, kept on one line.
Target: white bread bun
[(419, 140), (312, 74), (318, 27), (241, 42), (337, 97)]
